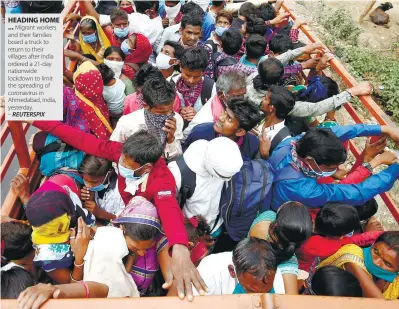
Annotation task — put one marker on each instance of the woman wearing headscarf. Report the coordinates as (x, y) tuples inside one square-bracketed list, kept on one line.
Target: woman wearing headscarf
[(89, 90), (92, 38), (137, 49), (52, 212), (147, 245)]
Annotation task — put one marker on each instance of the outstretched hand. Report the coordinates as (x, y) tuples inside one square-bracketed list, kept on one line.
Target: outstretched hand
[(183, 271)]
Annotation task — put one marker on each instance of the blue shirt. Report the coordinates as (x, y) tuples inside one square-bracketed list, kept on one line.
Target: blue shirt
[(244, 61), (306, 189)]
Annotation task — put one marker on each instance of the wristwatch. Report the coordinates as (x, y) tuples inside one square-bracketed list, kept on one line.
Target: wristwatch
[(368, 166)]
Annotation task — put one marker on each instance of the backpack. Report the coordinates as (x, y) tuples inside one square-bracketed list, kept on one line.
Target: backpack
[(188, 181), (246, 195), (42, 7), (223, 62), (206, 91), (56, 154), (283, 133)]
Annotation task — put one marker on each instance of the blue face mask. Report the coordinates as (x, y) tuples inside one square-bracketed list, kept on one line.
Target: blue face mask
[(321, 173), (125, 48), (91, 38), (127, 173), (220, 30), (121, 33), (376, 270), (97, 188)]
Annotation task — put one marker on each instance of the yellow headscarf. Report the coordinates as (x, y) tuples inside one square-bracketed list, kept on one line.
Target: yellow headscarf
[(87, 49), (354, 254), (54, 232)]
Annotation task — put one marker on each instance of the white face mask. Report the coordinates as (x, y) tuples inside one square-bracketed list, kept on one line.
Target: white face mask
[(115, 66), (162, 61), (171, 12)]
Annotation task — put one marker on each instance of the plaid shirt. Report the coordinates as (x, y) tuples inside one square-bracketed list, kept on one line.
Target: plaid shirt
[(290, 70)]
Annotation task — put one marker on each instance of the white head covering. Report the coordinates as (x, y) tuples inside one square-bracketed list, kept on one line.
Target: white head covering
[(223, 158), (103, 263), (115, 96), (204, 4)]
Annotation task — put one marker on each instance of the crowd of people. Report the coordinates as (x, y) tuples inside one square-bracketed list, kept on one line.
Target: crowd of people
[(195, 158)]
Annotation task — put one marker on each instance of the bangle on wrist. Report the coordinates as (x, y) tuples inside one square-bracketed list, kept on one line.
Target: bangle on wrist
[(70, 275), (368, 166), (79, 265), (86, 288)]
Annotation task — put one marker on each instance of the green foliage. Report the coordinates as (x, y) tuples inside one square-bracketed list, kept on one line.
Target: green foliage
[(364, 63)]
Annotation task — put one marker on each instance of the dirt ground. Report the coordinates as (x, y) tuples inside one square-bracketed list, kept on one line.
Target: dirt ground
[(374, 36)]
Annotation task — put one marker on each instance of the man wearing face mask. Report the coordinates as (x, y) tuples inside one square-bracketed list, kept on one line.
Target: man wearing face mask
[(169, 58), (300, 161), (118, 31), (223, 23), (170, 13)]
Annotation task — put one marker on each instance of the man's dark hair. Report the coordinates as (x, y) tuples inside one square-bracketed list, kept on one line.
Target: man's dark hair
[(282, 99), (255, 256), (334, 281), (245, 111), (255, 46), (158, 91), (367, 210), (323, 146), (192, 8), (247, 9), (14, 281), (140, 232), (231, 41), (113, 49), (337, 219), (217, 2), (142, 6), (292, 227), (195, 59), (391, 239), (179, 50), (146, 72), (270, 72), (266, 11), (17, 240), (143, 147), (280, 43), (106, 73), (191, 20), (256, 25), (94, 166), (118, 14)]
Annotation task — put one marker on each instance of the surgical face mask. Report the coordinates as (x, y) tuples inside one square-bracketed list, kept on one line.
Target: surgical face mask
[(91, 38), (127, 173), (171, 12), (101, 186), (322, 173), (115, 66), (125, 48), (220, 30), (121, 33), (162, 61)]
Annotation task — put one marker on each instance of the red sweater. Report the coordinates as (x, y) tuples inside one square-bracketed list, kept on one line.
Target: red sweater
[(323, 247), (161, 186)]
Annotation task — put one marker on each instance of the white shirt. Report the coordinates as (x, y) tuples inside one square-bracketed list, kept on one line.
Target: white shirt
[(204, 115), (271, 131), (206, 197), (171, 33), (134, 122), (214, 271), (198, 104), (140, 23)]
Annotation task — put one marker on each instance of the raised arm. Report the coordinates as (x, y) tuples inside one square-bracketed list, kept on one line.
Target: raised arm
[(85, 142), (90, 9)]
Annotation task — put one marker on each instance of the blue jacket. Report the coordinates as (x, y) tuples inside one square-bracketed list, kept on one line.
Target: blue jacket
[(306, 189), (249, 147)]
